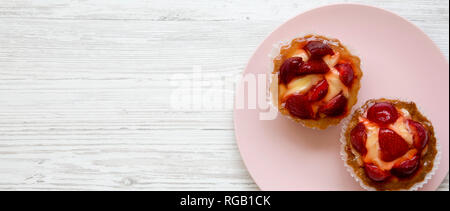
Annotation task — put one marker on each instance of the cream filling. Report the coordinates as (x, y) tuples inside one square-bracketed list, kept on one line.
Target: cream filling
[(300, 53), (335, 85), (332, 61), (299, 84), (334, 82), (302, 84), (401, 127)]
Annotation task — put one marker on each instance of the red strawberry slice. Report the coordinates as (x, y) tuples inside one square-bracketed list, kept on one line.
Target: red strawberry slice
[(319, 91), (375, 173), (392, 145), (318, 49), (335, 107), (406, 167), (317, 66), (382, 113), (299, 106), (420, 134), (346, 73), (358, 137), (289, 69)]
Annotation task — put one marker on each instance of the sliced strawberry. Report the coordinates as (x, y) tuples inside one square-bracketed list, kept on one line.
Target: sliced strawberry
[(375, 173), (335, 107), (382, 113), (289, 69), (318, 91), (346, 73), (420, 134), (299, 106), (318, 49), (406, 167), (358, 137), (392, 145), (317, 66)]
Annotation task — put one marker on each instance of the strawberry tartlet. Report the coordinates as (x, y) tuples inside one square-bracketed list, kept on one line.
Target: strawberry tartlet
[(389, 145), (318, 80)]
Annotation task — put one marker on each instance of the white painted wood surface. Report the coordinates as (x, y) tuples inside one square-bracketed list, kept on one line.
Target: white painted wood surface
[(84, 93)]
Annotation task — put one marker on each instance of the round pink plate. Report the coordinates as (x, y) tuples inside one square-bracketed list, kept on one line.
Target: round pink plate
[(398, 60)]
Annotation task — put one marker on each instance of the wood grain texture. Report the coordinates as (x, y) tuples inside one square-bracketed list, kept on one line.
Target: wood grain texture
[(84, 88)]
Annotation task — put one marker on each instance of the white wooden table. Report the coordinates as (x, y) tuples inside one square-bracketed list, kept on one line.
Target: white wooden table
[(84, 89)]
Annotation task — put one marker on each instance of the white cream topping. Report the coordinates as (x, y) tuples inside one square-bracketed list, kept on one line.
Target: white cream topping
[(372, 144), (301, 53), (405, 113), (332, 61), (335, 85), (402, 129), (302, 84), (334, 82)]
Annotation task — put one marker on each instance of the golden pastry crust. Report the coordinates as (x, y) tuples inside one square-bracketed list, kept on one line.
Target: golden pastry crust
[(288, 50), (393, 183)]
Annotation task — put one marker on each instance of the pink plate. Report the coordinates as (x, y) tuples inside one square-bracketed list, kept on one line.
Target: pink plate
[(398, 60)]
